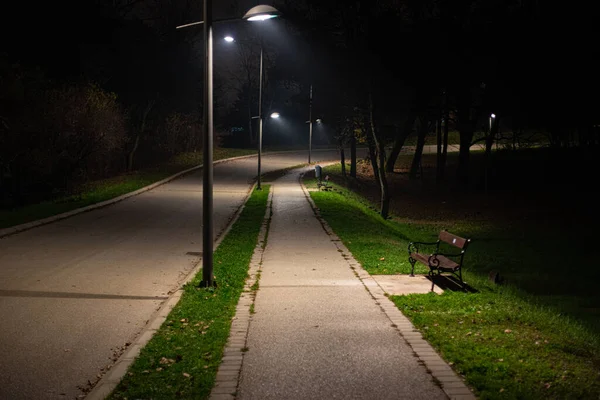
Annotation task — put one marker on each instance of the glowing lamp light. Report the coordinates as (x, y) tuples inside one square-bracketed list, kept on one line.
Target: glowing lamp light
[(229, 39), (493, 116), (261, 13), (261, 17), (319, 120), (275, 115)]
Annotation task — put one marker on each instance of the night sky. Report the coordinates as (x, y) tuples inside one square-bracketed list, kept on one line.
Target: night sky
[(537, 61)]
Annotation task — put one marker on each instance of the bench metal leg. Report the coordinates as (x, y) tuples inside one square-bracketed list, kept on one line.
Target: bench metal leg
[(431, 275), (412, 263)]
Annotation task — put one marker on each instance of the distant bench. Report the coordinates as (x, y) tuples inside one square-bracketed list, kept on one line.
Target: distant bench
[(439, 261), (321, 183)]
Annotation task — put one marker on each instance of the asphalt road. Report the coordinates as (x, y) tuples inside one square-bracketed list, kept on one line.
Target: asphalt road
[(74, 291)]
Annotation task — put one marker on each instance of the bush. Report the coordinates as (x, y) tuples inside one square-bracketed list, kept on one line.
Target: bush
[(52, 138)]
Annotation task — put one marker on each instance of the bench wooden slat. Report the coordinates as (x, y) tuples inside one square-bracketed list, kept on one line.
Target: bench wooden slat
[(447, 264), (453, 239)]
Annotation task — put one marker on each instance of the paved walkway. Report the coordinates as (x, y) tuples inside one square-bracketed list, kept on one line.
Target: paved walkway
[(322, 328)]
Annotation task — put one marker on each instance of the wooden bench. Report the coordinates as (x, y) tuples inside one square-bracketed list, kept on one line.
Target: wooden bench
[(446, 262)]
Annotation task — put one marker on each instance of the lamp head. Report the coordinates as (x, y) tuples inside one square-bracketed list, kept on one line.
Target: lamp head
[(275, 115), (229, 39), (261, 13)]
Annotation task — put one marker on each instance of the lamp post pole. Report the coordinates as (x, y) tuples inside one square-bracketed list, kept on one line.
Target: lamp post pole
[(260, 117), (258, 13), (207, 152), (310, 122)]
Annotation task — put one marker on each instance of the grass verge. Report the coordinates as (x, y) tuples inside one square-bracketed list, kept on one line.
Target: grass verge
[(106, 189), (507, 343), (182, 358)]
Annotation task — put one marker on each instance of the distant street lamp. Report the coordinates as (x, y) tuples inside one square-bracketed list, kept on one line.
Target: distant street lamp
[(275, 115), (309, 122), (229, 39), (492, 119), (258, 13)]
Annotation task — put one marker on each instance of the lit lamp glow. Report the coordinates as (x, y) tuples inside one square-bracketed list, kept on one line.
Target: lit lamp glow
[(229, 39), (275, 115), (261, 13)]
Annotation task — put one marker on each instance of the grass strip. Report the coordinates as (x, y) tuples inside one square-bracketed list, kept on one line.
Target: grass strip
[(182, 358), (106, 189), (505, 342)]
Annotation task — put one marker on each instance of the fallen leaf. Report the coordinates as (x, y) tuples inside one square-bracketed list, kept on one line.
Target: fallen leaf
[(186, 375), (501, 390), (382, 259), (500, 359), (159, 369), (507, 331), (468, 334), (183, 320)]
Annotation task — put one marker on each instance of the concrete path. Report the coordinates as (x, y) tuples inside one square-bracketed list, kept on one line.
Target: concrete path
[(322, 329), (75, 293)]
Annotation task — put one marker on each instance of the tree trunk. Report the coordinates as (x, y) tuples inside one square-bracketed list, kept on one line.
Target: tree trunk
[(399, 142), (445, 141), (438, 135), (372, 151), (132, 152), (343, 159), (353, 155), (140, 132), (416, 162), (380, 150)]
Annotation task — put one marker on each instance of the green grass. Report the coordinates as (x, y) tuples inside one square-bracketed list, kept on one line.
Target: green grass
[(106, 189), (379, 245), (191, 341), (533, 338)]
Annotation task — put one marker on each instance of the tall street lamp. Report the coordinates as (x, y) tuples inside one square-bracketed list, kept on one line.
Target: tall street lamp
[(492, 120), (258, 13), (310, 124)]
